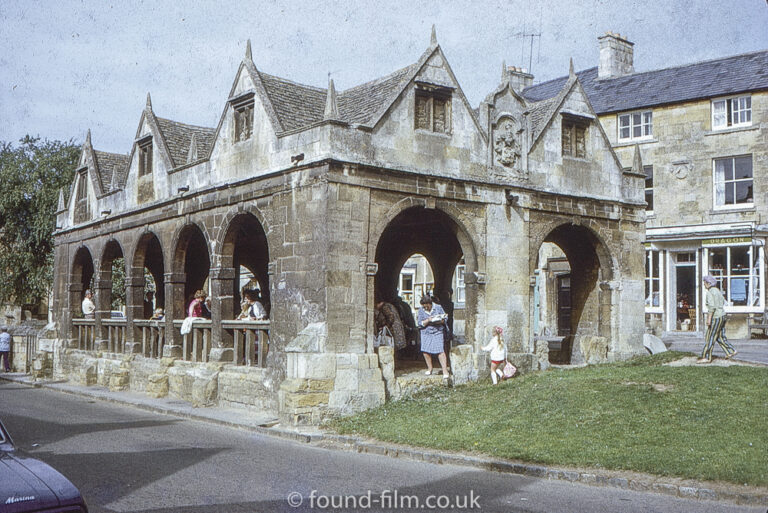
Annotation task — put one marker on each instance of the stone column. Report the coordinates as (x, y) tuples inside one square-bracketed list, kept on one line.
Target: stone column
[(222, 281), (103, 295), (174, 310), (134, 308), (70, 310)]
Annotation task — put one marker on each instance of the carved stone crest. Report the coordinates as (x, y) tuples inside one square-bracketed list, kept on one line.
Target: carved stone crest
[(506, 143)]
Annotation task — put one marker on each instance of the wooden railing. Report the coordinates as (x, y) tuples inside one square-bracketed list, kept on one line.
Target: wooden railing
[(115, 329), (250, 338), (85, 333), (251, 341), (195, 345), (152, 337)]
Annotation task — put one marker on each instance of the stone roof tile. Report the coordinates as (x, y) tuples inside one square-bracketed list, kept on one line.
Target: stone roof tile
[(178, 137), (110, 165)]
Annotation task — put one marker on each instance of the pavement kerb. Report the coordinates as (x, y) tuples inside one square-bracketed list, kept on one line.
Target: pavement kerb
[(639, 482)]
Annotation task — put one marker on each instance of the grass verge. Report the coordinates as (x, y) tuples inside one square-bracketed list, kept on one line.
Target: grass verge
[(702, 422)]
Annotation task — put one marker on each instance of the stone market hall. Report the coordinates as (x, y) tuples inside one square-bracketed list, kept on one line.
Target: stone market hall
[(317, 198)]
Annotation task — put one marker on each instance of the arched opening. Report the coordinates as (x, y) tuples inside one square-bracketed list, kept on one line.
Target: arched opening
[(571, 264), (245, 251), (191, 265), (418, 240), (81, 279), (111, 294), (148, 263)]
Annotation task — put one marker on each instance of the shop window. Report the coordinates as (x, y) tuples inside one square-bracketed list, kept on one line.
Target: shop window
[(738, 272), (731, 112), (653, 279), (733, 181)]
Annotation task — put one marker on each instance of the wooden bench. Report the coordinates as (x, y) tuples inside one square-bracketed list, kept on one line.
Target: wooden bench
[(757, 322)]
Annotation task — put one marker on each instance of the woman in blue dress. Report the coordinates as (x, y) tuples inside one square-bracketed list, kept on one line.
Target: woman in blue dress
[(431, 322)]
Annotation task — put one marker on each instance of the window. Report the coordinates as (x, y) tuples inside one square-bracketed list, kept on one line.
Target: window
[(574, 138), (648, 187), (731, 112), (145, 157), (738, 273), (433, 109), (82, 207), (636, 125), (733, 181), (459, 285), (242, 108), (652, 279)]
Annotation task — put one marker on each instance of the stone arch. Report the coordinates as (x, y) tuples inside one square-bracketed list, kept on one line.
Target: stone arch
[(435, 233), (81, 275), (592, 270), (190, 267), (112, 251), (242, 242), (147, 254)]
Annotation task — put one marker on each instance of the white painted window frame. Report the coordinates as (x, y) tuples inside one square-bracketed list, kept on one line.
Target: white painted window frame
[(720, 119), (731, 206), (760, 277), (645, 125), (649, 308)]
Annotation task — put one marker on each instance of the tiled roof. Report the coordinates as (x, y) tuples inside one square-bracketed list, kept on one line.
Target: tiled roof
[(360, 104), (298, 106), (728, 75), (178, 137), (109, 165)]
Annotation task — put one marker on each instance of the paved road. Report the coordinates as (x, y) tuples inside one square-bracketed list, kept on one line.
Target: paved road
[(755, 350), (129, 460)]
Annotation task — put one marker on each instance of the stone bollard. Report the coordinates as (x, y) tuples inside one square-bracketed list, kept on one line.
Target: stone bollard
[(157, 385), (119, 380)]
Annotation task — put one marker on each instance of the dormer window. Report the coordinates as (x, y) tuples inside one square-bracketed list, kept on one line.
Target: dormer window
[(433, 108), (145, 156), (242, 112), (575, 136), (82, 207)]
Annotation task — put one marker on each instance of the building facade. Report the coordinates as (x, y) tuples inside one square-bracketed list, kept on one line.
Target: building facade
[(700, 134), (322, 197)]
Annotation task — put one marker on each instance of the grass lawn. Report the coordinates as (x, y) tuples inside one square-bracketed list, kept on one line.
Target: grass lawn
[(698, 422)]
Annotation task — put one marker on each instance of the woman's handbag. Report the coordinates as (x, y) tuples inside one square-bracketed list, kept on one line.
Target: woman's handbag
[(384, 338), (509, 370)]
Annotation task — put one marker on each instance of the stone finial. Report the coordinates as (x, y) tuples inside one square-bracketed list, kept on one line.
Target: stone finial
[(149, 102), (503, 71), (192, 154), (331, 108), (60, 206), (88, 137), (571, 73), (248, 54), (637, 161), (433, 37)]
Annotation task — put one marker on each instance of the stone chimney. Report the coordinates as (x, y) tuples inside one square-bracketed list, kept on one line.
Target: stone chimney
[(519, 78), (616, 56)]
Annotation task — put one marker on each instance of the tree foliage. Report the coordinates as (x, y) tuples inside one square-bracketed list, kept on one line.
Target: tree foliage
[(31, 175)]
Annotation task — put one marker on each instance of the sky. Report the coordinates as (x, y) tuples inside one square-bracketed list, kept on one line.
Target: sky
[(67, 66)]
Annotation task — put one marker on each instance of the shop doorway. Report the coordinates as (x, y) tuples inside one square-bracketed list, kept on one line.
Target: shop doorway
[(686, 304)]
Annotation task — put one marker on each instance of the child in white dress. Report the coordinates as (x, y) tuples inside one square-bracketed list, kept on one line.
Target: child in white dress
[(498, 353)]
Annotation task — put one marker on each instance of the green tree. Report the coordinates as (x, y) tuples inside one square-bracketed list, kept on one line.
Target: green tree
[(31, 175)]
